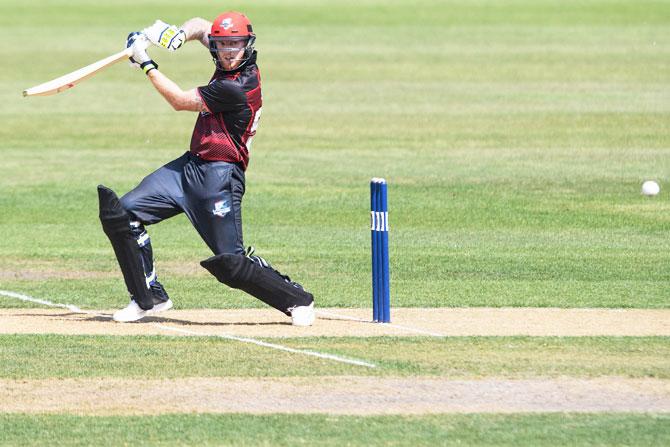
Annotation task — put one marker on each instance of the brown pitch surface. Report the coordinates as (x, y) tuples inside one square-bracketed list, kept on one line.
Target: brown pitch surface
[(352, 322)]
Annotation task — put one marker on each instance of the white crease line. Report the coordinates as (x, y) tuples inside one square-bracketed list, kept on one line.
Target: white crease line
[(391, 325), (76, 309), (70, 307), (273, 346)]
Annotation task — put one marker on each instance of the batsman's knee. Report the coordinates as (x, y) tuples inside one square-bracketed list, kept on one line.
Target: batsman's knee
[(129, 204), (231, 270), (258, 279), (116, 213), (113, 216)]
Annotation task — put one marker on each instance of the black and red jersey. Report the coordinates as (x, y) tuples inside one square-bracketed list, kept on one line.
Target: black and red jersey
[(224, 130)]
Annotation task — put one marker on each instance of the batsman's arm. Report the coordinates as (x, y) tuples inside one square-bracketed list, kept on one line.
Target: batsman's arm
[(179, 99), (197, 29)]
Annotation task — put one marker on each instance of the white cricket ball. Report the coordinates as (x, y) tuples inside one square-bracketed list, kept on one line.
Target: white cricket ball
[(650, 188)]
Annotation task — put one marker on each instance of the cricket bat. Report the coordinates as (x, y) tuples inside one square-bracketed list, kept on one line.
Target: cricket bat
[(71, 79)]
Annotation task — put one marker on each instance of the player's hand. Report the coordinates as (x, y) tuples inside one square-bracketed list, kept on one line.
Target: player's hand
[(164, 35), (139, 43)]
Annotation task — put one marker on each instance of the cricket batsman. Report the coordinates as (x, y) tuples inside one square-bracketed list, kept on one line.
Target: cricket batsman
[(207, 182)]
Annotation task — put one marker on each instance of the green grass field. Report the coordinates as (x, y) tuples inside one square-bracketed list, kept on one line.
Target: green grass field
[(211, 430), (515, 136), (24, 356)]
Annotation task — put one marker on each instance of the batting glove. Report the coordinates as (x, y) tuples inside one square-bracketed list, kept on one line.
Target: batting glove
[(129, 42), (164, 35), (139, 43)]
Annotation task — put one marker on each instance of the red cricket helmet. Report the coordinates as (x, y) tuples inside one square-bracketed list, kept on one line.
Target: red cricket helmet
[(227, 27)]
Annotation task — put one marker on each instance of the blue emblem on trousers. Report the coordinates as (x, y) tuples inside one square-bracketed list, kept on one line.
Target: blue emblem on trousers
[(221, 208)]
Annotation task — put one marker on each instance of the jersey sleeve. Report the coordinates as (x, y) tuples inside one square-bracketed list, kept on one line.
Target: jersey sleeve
[(223, 96)]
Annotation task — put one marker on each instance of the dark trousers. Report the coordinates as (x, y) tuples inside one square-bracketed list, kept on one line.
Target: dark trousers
[(209, 192)]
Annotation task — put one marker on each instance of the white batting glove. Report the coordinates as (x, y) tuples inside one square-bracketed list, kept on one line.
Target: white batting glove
[(164, 35), (129, 41), (139, 43)]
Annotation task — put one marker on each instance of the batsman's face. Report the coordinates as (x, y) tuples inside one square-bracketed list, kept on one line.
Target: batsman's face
[(230, 52)]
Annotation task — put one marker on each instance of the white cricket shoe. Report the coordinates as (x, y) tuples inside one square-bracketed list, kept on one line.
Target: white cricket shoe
[(303, 315), (165, 305), (134, 312)]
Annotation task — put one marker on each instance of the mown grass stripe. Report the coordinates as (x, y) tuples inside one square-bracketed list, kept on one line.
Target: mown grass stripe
[(61, 356), (579, 430)]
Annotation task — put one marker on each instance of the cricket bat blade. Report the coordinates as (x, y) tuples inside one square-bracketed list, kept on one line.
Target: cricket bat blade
[(71, 79)]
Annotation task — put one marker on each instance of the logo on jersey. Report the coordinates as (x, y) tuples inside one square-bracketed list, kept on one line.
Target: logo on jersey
[(227, 23), (221, 208)]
